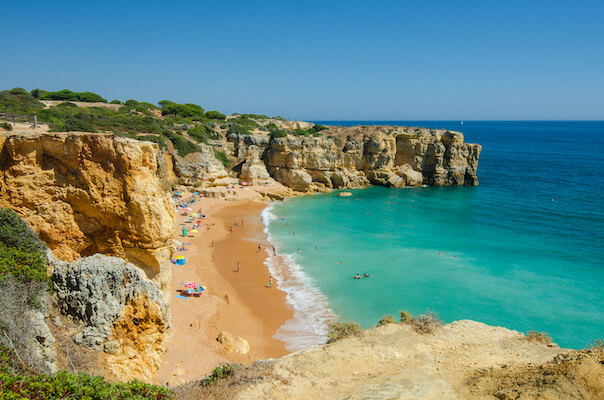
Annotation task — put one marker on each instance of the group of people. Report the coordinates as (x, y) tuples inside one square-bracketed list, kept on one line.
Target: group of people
[(357, 276)]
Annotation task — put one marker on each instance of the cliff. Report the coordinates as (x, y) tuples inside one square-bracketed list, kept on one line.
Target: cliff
[(461, 360), (91, 193), (343, 157)]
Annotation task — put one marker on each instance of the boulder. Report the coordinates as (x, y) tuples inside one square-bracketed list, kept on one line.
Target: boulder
[(232, 344)]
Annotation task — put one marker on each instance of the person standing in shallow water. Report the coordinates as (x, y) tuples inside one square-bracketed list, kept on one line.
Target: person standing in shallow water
[(270, 281)]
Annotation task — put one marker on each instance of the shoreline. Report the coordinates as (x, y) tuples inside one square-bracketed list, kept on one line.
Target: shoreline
[(241, 303)]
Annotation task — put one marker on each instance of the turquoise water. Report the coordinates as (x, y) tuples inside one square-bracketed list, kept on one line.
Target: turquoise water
[(524, 250)]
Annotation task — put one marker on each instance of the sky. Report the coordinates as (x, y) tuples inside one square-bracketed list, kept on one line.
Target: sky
[(319, 60)]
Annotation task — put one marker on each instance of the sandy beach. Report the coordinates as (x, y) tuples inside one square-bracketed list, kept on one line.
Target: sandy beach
[(241, 303)]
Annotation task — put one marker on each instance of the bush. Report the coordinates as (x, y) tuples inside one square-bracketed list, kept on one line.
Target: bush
[(386, 319), (426, 323), (540, 337), (220, 156), (18, 90), (405, 316), (215, 115), (182, 110), (21, 251), (6, 126), (220, 372), (68, 95), (341, 330), (182, 145), (19, 103), (200, 133), (115, 102), (81, 386)]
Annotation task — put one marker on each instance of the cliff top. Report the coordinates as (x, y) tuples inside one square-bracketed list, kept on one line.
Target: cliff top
[(464, 359)]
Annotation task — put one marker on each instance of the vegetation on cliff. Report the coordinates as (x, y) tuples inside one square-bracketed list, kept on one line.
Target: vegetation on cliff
[(23, 288), (182, 124), (17, 381)]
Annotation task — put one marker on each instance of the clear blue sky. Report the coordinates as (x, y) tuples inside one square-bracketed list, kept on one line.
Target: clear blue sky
[(397, 60)]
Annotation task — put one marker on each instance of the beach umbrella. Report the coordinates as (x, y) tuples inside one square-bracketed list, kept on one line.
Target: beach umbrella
[(194, 231), (195, 193), (177, 242), (179, 258), (177, 192), (191, 285), (243, 183)]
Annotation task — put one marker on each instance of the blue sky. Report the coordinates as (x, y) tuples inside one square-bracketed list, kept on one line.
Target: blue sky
[(316, 60)]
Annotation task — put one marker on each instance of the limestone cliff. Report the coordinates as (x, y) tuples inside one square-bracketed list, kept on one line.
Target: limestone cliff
[(121, 312), (91, 193), (356, 156)]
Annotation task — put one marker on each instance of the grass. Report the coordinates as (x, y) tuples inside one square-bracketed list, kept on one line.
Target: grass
[(539, 337)]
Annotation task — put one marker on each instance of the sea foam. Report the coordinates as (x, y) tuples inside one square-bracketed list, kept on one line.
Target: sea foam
[(312, 313)]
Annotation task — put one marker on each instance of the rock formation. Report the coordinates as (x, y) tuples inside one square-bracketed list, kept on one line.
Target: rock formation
[(357, 156), (461, 360), (123, 313), (91, 193)]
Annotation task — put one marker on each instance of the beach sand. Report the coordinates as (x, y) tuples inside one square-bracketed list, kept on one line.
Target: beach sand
[(241, 303)]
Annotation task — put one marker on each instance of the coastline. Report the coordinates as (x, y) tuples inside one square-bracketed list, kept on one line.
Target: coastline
[(241, 303)]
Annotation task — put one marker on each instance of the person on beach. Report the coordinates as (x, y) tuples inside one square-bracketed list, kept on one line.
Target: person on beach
[(231, 229), (274, 250), (184, 231), (241, 221), (259, 247), (213, 257), (213, 243), (237, 266), (270, 281)]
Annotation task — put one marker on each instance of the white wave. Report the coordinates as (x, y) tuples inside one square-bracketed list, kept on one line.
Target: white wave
[(312, 313)]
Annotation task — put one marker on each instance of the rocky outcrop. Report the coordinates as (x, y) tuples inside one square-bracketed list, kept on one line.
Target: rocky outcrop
[(199, 169), (91, 193), (461, 360), (345, 157), (123, 313), (232, 344)]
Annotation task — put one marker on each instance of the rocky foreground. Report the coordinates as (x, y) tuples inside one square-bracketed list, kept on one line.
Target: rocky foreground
[(461, 360)]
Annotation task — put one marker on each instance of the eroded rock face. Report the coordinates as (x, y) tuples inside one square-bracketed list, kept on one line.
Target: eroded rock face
[(91, 193), (124, 314), (199, 169), (357, 156)]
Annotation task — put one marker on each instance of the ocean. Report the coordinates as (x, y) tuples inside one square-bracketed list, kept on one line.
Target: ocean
[(523, 250)]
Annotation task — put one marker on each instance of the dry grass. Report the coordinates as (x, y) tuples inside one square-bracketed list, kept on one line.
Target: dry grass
[(386, 319), (226, 387), (19, 299), (540, 337), (426, 323)]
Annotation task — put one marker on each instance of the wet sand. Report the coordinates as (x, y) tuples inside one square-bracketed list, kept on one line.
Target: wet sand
[(241, 303)]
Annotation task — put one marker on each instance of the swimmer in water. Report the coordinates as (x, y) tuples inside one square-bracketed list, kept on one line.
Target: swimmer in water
[(357, 276)]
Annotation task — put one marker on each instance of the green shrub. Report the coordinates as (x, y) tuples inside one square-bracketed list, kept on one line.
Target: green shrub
[(426, 323), (220, 156), (6, 126), (215, 115), (183, 110), (405, 316), (341, 330), (540, 337), (70, 386), (19, 103), (115, 102), (200, 133), (18, 90), (239, 129), (220, 372), (68, 95), (21, 251), (386, 319), (182, 145), (300, 132)]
